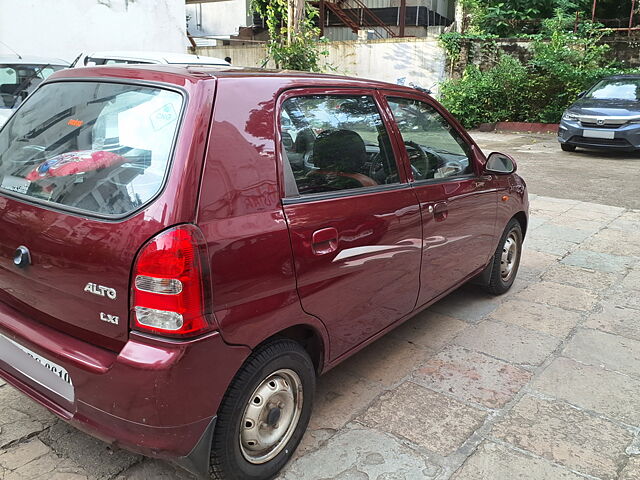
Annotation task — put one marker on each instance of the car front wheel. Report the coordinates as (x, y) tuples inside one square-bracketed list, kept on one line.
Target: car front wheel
[(567, 148), (506, 259), (264, 413)]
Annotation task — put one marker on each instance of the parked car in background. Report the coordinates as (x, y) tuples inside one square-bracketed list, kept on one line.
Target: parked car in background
[(605, 116), (133, 57), (19, 76), (172, 282)]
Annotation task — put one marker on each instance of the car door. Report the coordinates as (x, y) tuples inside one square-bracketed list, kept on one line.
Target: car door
[(354, 220), (458, 204)]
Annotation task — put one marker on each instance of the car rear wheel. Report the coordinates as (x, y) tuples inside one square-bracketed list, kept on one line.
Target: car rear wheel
[(264, 413), (567, 148), (506, 259)]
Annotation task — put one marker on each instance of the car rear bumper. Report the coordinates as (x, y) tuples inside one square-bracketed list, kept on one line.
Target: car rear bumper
[(155, 397), (624, 138)]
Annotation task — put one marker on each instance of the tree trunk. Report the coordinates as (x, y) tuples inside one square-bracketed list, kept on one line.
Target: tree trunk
[(295, 17)]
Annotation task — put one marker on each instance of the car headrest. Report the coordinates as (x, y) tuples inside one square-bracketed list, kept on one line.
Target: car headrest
[(10, 88), (339, 150)]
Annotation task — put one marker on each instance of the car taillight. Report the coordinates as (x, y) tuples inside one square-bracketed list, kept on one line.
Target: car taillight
[(170, 291)]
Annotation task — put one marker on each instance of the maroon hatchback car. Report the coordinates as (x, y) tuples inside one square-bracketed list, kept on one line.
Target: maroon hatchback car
[(183, 250)]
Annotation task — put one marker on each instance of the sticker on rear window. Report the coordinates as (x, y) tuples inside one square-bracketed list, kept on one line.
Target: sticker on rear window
[(15, 184), (163, 117)]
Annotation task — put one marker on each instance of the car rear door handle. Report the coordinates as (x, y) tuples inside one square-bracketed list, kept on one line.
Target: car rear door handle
[(440, 211), (324, 241)]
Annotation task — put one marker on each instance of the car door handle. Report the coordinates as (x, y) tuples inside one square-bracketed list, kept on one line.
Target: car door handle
[(324, 241), (480, 181), (440, 211)]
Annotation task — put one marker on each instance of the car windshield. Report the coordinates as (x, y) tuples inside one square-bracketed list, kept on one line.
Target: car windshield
[(96, 147), (17, 81), (619, 89)]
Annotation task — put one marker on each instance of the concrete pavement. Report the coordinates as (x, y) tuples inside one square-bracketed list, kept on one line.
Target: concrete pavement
[(540, 383), (610, 178)]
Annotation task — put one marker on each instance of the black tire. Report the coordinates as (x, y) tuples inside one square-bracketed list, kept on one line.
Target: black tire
[(500, 282), (567, 148), (230, 452)]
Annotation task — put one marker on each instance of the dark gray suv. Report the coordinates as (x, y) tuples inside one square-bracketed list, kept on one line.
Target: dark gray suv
[(605, 116)]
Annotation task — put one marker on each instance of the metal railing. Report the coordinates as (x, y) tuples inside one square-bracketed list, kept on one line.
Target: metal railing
[(357, 16)]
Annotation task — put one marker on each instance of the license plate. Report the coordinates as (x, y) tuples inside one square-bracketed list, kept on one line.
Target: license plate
[(53, 368), (599, 134)]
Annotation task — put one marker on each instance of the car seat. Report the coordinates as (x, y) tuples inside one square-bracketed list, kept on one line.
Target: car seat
[(340, 156)]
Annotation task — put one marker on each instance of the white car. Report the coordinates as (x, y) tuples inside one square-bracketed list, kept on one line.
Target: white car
[(19, 76), (133, 57)]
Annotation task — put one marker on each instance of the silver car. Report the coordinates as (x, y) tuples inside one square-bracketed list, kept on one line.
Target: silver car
[(607, 116)]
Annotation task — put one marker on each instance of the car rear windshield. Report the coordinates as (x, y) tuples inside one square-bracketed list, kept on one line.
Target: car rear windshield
[(102, 148), (619, 89)]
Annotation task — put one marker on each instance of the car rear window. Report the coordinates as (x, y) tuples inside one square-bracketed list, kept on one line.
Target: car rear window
[(102, 148)]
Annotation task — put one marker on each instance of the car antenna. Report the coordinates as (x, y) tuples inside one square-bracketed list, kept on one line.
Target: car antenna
[(17, 54)]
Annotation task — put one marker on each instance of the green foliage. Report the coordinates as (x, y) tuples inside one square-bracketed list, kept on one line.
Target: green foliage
[(452, 42), (487, 97), (563, 64), (295, 50), (507, 18)]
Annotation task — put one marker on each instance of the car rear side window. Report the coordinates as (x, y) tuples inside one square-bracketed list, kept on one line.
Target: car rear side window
[(102, 148), (336, 142), (435, 149)]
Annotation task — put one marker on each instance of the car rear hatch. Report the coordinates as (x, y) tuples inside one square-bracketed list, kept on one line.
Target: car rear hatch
[(79, 162)]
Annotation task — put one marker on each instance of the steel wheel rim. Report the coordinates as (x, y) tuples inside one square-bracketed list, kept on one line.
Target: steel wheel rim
[(271, 416), (509, 256)]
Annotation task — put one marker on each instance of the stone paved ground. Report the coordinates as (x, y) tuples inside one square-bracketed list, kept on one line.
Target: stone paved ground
[(541, 383)]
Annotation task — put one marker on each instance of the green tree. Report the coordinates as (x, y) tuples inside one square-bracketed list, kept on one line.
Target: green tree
[(563, 64), (294, 41), (515, 17)]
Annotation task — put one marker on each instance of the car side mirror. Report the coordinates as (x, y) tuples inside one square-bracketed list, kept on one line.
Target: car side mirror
[(581, 94), (500, 163)]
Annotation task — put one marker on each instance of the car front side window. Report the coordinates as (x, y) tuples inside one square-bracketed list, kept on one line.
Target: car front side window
[(336, 142), (435, 149)]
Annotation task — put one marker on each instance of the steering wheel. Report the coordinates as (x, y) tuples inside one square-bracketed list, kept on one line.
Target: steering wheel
[(431, 161), (376, 168)]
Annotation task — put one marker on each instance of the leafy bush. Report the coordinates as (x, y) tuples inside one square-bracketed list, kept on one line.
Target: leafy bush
[(563, 64), (498, 94), (516, 17)]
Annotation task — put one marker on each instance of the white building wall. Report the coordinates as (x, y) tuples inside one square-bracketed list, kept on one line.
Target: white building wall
[(408, 60), (64, 28), (221, 18)]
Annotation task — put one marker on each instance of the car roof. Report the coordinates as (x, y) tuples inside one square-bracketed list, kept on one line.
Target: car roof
[(159, 57), (178, 75), (32, 60)]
